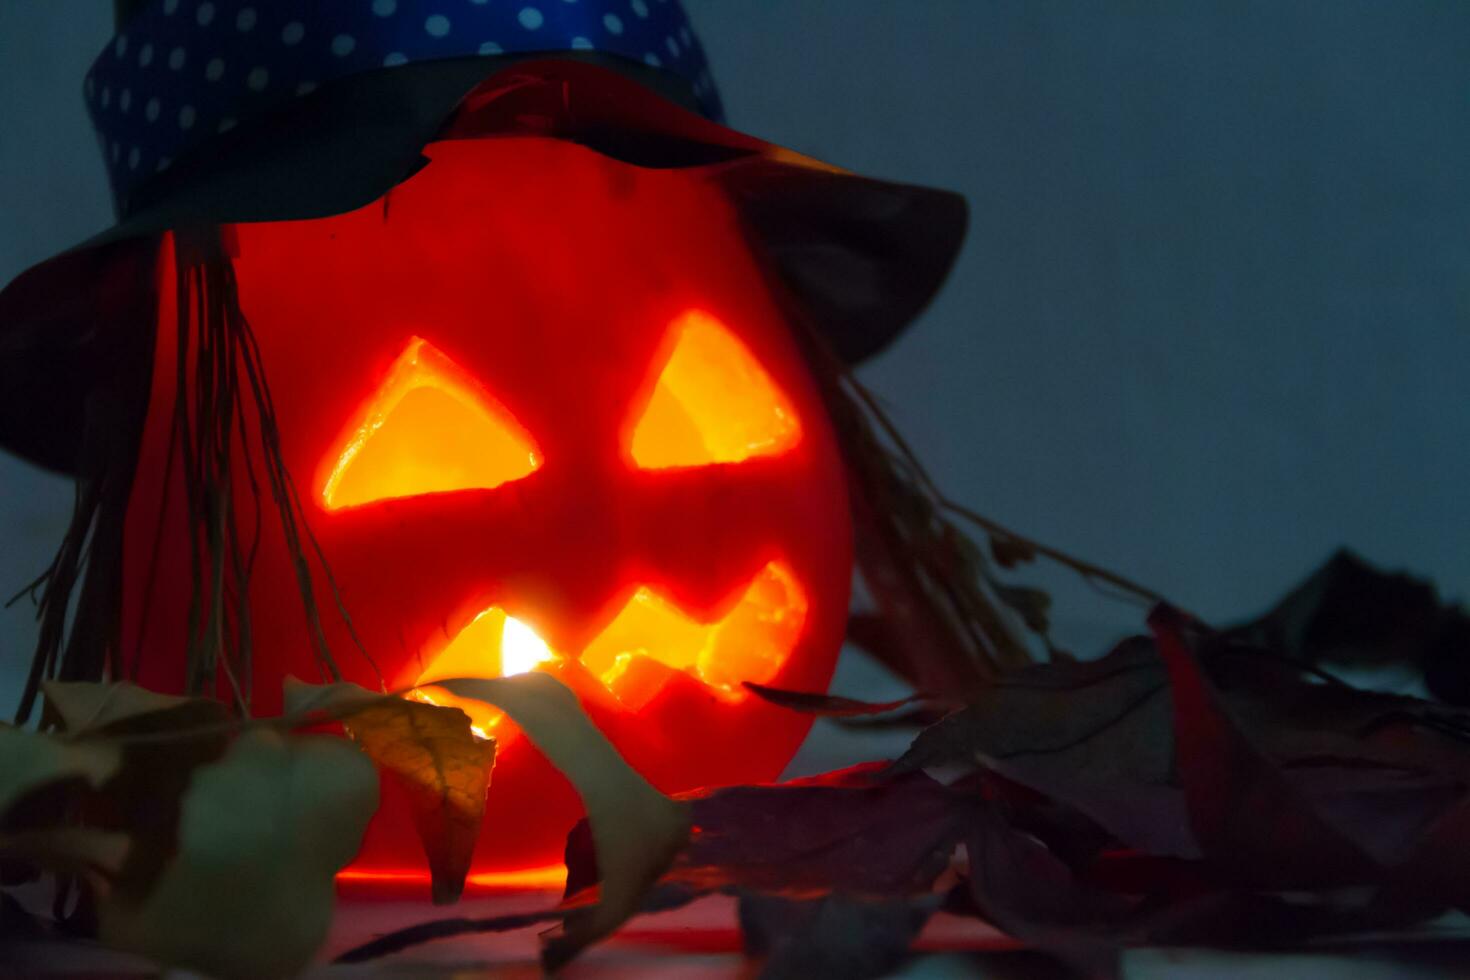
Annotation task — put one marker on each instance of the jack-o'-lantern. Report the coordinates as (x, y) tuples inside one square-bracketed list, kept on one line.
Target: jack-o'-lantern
[(533, 404), (545, 415)]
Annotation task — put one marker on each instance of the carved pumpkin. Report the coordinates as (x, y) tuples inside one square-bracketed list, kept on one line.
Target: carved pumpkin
[(545, 414)]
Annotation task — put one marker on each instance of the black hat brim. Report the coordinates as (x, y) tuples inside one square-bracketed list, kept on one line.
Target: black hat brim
[(861, 256)]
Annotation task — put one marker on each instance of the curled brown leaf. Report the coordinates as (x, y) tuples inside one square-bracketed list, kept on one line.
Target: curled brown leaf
[(433, 752)]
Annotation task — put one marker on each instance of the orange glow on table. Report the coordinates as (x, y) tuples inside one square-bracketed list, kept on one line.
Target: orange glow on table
[(551, 877)]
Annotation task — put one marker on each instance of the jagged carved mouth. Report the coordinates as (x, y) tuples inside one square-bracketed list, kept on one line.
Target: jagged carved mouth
[(634, 655)]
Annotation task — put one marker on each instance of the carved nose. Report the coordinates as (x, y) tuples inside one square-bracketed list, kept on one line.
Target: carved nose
[(570, 587)]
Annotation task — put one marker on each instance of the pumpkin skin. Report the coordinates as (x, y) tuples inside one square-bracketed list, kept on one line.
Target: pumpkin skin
[(551, 278)]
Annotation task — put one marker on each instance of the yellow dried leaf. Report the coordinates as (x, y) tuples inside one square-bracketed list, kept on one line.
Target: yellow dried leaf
[(262, 834), (88, 707), (447, 771), (30, 760), (636, 829), (433, 753)]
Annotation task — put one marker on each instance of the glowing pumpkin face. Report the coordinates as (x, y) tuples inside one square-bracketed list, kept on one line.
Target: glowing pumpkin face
[(544, 414)]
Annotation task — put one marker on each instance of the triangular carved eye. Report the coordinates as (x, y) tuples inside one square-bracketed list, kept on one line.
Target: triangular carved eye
[(429, 428), (712, 403)]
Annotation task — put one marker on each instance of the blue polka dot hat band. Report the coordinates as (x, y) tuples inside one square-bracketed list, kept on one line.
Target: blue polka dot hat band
[(181, 71)]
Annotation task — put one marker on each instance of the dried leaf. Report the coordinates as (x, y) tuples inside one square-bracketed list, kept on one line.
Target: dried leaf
[(1141, 814), (1383, 810), (1252, 790), (1021, 887), (163, 743), (1093, 735), (851, 831), (1102, 715), (425, 932), (636, 830), (262, 834), (1250, 822), (67, 850), (856, 855), (1032, 605), (84, 706), (30, 761), (914, 719), (1293, 717), (829, 705), (1025, 888), (835, 874), (307, 704), (447, 771), (1348, 612), (1437, 874), (433, 752), (1100, 737), (1010, 552)]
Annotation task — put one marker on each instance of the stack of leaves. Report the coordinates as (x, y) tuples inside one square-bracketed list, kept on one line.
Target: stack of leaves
[(165, 822), (173, 830), (1191, 787)]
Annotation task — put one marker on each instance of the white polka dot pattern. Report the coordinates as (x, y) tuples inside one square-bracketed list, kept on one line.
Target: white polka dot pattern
[(200, 67)]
